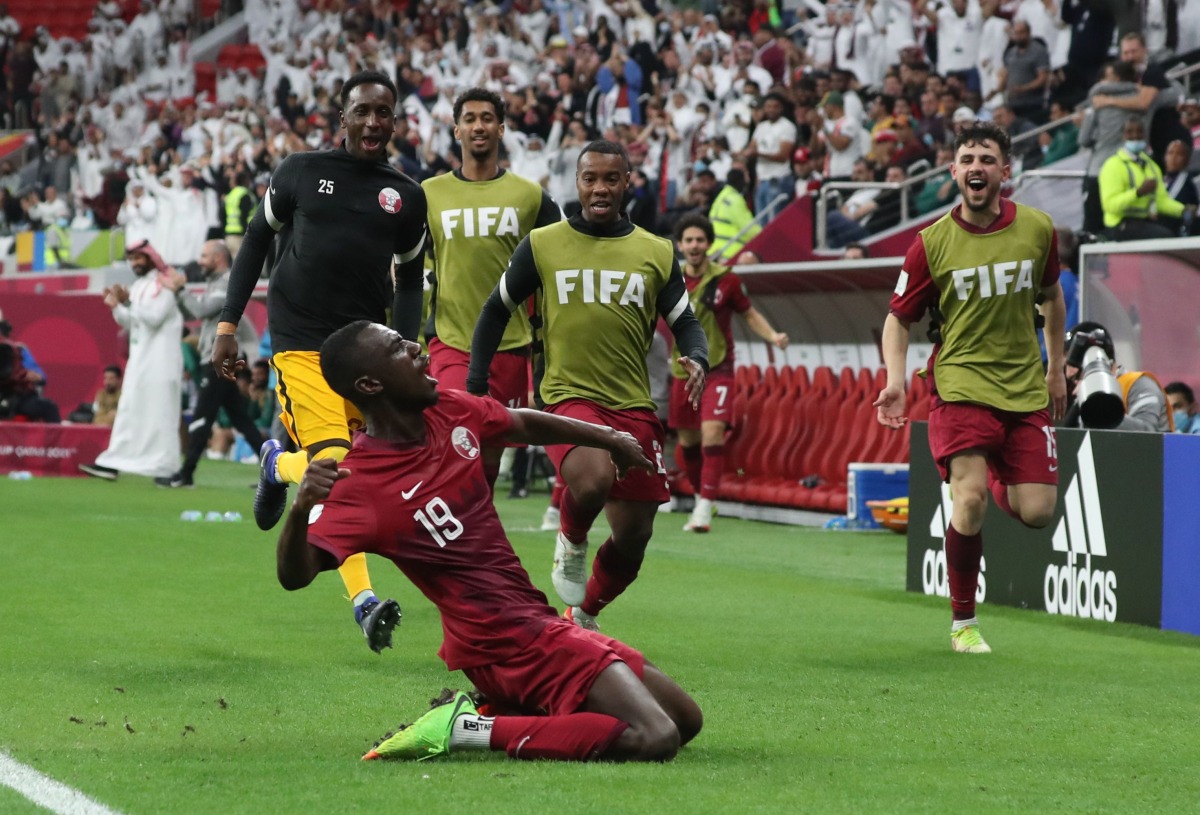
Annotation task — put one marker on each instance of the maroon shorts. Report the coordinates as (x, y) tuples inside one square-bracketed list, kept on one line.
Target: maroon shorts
[(643, 425), (553, 674), (508, 376), (1020, 447), (717, 402)]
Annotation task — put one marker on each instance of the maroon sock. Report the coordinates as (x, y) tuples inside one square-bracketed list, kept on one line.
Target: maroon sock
[(693, 465), (714, 466), (575, 521), (556, 494), (612, 572), (963, 554), (574, 737), (1000, 495)]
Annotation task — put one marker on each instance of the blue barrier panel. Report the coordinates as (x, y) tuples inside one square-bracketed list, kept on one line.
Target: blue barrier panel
[(1181, 534)]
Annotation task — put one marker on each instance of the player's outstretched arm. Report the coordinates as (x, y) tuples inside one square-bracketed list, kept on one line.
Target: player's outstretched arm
[(536, 427), (890, 403), (297, 563), (762, 327)]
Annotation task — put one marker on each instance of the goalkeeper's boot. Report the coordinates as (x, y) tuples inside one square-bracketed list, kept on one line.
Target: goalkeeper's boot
[(377, 620), (968, 640), (574, 614), (428, 736), (569, 574), (270, 499)]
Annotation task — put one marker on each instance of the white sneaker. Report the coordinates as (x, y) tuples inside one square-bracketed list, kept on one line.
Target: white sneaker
[(701, 517), (570, 570), (550, 520)]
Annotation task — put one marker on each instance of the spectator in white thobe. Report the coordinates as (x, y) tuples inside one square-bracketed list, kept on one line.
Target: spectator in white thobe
[(145, 435)]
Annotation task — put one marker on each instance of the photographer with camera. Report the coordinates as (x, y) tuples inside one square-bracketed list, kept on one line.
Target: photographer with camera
[(1105, 397)]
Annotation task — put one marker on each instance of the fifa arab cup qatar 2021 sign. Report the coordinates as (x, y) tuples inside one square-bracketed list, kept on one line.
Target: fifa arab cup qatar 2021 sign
[(1101, 556)]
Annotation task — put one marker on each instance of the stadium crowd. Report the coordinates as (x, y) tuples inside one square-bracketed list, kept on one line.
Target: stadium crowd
[(788, 93)]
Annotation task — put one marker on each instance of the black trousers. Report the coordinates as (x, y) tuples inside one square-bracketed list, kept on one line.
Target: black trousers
[(1093, 213), (31, 406), (1139, 229), (216, 393)]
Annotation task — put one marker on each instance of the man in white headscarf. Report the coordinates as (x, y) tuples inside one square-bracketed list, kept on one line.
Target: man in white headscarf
[(145, 435)]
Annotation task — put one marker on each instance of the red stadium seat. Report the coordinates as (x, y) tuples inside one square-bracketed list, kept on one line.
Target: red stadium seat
[(228, 56), (206, 78)]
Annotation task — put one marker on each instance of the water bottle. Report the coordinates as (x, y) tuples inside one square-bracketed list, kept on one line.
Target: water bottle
[(233, 517), (191, 515), (214, 516), (21, 475)]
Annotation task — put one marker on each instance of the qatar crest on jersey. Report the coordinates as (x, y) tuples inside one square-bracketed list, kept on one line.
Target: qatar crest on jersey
[(465, 443), (389, 199)]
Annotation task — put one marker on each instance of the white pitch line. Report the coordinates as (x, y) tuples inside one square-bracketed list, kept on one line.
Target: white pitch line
[(46, 792)]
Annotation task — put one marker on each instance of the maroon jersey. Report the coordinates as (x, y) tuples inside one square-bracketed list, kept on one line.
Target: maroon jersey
[(428, 508), (728, 298)]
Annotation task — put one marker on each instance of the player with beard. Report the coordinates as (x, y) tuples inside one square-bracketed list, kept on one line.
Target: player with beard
[(342, 217), (477, 216), (716, 294), (603, 284), (984, 270), (413, 490)]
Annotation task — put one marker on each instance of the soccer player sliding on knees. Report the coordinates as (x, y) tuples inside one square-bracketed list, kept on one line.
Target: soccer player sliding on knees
[(413, 489)]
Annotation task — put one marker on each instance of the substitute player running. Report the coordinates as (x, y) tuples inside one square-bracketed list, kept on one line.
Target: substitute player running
[(477, 216), (413, 490), (603, 284), (342, 216), (983, 267), (716, 294)]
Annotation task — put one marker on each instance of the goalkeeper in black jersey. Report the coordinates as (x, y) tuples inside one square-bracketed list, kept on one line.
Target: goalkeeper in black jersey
[(342, 217)]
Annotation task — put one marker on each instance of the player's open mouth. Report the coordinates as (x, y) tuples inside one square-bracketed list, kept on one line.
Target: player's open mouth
[(371, 142), (601, 206), (976, 184)]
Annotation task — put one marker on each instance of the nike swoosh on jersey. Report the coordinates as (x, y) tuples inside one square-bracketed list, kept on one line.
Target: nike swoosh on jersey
[(406, 494)]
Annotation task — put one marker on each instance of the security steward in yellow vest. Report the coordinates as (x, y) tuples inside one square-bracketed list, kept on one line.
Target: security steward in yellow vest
[(729, 214), (239, 209), (1132, 192)]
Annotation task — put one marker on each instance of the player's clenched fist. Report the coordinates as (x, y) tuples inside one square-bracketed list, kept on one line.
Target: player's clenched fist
[(626, 453), (319, 478)]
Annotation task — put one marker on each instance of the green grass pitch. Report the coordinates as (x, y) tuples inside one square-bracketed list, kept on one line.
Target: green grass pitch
[(157, 666)]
